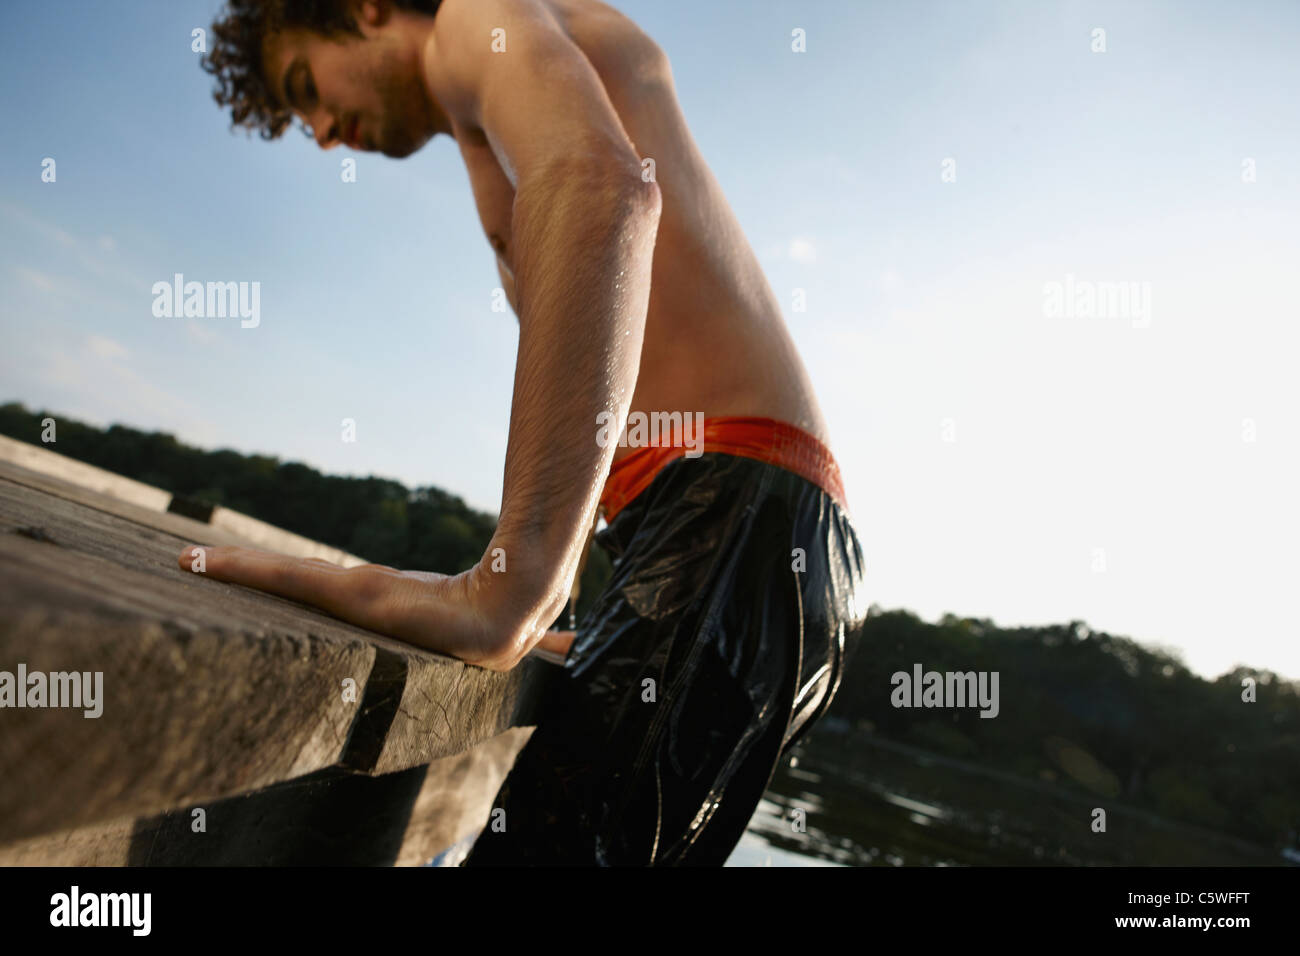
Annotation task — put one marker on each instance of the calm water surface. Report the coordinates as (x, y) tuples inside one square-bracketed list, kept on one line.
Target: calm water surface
[(854, 799)]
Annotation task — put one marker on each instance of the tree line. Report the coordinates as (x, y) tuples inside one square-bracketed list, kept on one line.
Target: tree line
[(1096, 713)]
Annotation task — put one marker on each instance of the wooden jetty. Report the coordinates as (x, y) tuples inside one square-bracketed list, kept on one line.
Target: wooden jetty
[(228, 733)]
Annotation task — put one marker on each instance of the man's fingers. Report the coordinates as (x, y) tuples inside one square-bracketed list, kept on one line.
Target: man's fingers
[(422, 608), (310, 580)]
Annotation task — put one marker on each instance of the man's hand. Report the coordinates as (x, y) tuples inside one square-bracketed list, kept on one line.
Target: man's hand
[(462, 616), (557, 642)]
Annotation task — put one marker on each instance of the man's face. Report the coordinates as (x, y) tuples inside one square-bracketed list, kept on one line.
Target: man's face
[(366, 91)]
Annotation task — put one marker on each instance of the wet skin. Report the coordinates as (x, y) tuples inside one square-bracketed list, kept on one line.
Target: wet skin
[(632, 295)]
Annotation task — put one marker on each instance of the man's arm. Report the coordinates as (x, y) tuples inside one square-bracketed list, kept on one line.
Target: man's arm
[(583, 234), (583, 230)]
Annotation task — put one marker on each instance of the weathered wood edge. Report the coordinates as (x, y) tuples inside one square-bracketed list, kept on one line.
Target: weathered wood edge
[(210, 690)]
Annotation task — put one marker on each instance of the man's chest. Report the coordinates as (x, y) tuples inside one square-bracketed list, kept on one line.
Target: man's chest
[(494, 197)]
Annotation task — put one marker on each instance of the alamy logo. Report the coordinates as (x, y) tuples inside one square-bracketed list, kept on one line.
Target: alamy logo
[(103, 909), (179, 299), (655, 430), (57, 689), (1082, 299), (947, 689)]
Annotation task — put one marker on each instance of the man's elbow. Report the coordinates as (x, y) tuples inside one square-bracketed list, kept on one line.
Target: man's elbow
[(627, 205), (650, 204), (643, 196), (633, 184)]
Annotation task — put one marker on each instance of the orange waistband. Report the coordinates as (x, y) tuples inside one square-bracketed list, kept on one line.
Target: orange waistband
[(763, 439)]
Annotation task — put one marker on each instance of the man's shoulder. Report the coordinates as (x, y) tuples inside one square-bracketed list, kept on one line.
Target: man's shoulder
[(465, 36), (471, 37)]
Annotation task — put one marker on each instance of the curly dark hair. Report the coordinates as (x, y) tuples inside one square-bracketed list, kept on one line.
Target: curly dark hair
[(236, 55)]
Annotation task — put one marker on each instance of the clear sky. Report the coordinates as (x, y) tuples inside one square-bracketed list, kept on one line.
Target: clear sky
[(1135, 468)]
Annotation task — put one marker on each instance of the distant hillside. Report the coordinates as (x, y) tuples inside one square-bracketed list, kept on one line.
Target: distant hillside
[(1093, 712)]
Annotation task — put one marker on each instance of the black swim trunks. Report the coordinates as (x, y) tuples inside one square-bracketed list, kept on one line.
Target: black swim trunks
[(717, 642)]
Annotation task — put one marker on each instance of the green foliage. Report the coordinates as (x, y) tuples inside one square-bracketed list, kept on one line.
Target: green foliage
[(1097, 714)]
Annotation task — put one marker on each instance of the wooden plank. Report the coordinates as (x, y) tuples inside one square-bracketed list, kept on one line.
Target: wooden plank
[(197, 704), (68, 479), (181, 527), (455, 801), (210, 690), (325, 818), (104, 844), (43, 459)]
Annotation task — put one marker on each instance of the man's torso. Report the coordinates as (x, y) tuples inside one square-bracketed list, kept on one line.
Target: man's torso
[(715, 341)]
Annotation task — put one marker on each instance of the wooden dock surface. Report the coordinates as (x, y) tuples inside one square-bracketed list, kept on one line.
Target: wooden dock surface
[(225, 699)]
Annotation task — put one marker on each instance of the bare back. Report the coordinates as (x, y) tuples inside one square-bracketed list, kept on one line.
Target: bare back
[(715, 341)]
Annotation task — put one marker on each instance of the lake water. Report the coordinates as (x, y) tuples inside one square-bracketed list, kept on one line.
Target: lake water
[(854, 799)]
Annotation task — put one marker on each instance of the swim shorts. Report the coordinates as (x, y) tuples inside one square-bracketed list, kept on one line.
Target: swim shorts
[(717, 642)]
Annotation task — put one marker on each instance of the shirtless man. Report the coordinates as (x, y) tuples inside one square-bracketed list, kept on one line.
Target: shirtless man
[(737, 574)]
